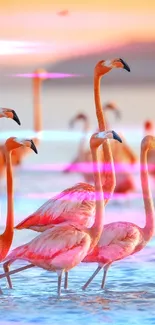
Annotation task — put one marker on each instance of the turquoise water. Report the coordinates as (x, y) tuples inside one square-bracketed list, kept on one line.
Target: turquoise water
[(129, 296)]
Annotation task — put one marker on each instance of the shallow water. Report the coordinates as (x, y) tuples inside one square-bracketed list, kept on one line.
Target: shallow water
[(129, 296)]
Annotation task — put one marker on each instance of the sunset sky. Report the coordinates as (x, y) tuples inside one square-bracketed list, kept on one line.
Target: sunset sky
[(33, 31)]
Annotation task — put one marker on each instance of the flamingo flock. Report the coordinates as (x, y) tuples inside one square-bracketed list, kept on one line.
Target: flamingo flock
[(71, 224), (122, 155)]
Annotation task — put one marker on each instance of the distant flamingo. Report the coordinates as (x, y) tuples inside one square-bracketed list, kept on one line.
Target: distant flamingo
[(7, 236), (80, 210), (84, 154), (64, 246), (123, 155), (39, 75), (149, 128), (121, 239), (8, 113)]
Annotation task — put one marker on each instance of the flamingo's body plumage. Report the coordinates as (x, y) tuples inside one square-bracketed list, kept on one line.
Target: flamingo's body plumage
[(61, 247), (119, 240), (75, 205)]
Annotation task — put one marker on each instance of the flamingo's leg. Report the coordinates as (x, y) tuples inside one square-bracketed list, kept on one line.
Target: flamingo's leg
[(106, 268), (92, 277), (59, 283), (6, 267), (66, 281), (7, 273)]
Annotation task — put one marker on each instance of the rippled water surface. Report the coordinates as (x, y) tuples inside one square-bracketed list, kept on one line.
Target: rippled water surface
[(129, 296)]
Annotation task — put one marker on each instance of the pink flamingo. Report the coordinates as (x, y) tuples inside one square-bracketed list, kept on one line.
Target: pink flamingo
[(79, 211), (121, 239), (122, 155), (150, 129), (7, 236), (64, 246), (8, 113), (84, 155)]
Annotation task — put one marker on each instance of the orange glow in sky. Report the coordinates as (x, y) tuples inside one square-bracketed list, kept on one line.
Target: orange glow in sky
[(89, 25), (78, 5)]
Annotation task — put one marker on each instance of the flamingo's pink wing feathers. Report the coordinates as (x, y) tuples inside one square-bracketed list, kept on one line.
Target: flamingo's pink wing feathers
[(75, 205), (61, 247), (119, 240)]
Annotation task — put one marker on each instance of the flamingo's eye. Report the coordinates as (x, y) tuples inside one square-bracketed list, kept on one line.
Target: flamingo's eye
[(107, 63)]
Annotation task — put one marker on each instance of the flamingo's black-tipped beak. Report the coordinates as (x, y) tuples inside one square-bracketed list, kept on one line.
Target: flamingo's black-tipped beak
[(125, 65), (33, 147), (116, 136), (15, 117)]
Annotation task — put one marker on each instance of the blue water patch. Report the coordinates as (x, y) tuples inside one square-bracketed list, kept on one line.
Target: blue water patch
[(129, 296)]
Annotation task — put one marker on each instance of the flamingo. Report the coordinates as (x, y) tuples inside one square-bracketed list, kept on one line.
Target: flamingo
[(7, 236), (122, 239), (150, 129), (65, 246), (8, 113), (81, 209), (39, 76), (76, 205), (122, 155), (84, 155)]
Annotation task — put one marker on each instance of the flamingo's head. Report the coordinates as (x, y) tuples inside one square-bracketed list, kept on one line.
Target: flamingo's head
[(112, 106), (148, 142), (105, 66), (15, 143), (98, 138), (40, 74), (80, 116), (9, 113), (148, 125)]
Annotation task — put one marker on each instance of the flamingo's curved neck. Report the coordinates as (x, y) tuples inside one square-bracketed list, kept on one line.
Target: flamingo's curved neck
[(37, 104), (7, 236), (147, 196), (129, 153), (108, 174), (99, 111), (97, 228), (83, 140)]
